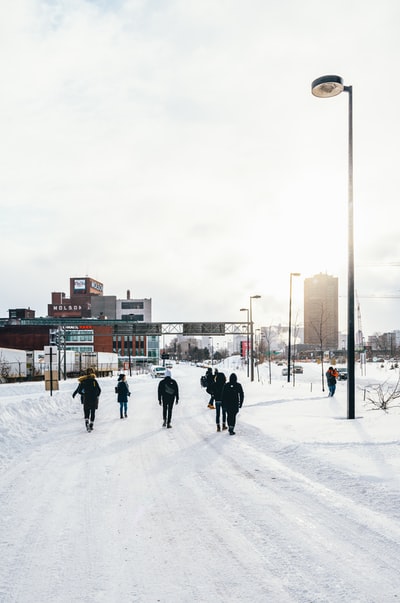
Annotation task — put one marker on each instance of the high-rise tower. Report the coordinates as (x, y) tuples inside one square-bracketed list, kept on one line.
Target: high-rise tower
[(321, 314)]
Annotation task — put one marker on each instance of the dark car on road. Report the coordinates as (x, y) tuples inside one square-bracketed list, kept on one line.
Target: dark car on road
[(342, 374)]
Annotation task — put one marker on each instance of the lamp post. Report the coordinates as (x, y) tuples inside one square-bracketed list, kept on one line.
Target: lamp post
[(325, 87), (248, 342), (252, 338), (290, 325), (257, 346)]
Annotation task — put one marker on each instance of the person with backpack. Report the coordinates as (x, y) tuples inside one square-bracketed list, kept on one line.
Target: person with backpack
[(123, 392), (232, 400), (90, 390), (219, 383), (168, 393)]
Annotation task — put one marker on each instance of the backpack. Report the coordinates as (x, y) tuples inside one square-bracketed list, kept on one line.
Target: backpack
[(169, 389)]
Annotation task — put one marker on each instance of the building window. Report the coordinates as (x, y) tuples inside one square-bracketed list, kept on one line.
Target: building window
[(132, 305)]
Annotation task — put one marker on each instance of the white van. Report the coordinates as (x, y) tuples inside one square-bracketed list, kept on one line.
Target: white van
[(158, 371)]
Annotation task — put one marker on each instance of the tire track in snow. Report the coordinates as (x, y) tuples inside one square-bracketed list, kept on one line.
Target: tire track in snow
[(312, 517)]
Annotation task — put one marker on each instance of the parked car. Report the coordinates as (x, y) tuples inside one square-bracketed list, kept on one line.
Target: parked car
[(342, 376), (158, 371), (296, 369)]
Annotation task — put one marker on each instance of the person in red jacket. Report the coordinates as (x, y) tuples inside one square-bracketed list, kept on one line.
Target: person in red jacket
[(331, 377)]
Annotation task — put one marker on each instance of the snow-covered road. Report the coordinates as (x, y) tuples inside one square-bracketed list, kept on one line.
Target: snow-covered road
[(136, 513)]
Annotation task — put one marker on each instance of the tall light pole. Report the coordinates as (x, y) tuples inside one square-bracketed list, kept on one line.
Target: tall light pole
[(325, 87), (248, 341), (212, 350), (252, 338), (290, 326)]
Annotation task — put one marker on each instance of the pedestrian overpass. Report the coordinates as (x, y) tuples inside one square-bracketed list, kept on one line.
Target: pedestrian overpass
[(128, 327)]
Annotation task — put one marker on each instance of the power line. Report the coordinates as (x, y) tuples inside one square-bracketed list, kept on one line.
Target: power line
[(378, 264), (388, 296)]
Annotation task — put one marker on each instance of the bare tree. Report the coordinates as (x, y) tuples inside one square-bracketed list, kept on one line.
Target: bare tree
[(321, 332), (382, 395), (267, 332), (377, 342), (5, 368)]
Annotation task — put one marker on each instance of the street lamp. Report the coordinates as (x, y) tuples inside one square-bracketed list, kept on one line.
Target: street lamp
[(290, 325), (252, 338), (325, 87), (212, 350), (248, 342)]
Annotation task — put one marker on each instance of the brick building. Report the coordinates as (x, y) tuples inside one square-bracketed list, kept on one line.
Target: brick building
[(79, 302)]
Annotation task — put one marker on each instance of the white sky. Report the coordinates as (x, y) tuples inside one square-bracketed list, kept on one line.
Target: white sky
[(174, 149)]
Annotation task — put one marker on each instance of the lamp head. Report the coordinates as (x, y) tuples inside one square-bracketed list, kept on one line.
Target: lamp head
[(244, 309), (255, 297), (327, 86)]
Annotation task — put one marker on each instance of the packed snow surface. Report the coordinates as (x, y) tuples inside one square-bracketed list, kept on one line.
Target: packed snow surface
[(301, 505)]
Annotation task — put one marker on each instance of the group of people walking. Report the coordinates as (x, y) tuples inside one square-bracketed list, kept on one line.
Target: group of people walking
[(89, 390), (228, 397)]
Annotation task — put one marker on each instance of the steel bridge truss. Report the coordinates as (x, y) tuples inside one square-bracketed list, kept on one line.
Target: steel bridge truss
[(126, 327)]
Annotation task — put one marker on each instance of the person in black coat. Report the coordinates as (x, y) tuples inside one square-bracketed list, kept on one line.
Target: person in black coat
[(219, 383), (123, 395), (232, 400), (90, 390), (168, 393), (210, 387)]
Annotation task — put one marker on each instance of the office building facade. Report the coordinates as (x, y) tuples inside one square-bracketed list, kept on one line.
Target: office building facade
[(321, 311)]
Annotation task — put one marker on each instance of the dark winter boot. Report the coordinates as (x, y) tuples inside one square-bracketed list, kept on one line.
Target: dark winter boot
[(164, 424), (90, 426), (224, 427), (218, 428), (231, 432), (87, 424), (169, 425)]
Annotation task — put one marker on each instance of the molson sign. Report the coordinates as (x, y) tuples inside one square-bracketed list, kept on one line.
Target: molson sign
[(95, 287)]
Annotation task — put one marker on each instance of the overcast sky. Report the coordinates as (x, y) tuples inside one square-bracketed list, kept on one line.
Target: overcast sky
[(174, 148)]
